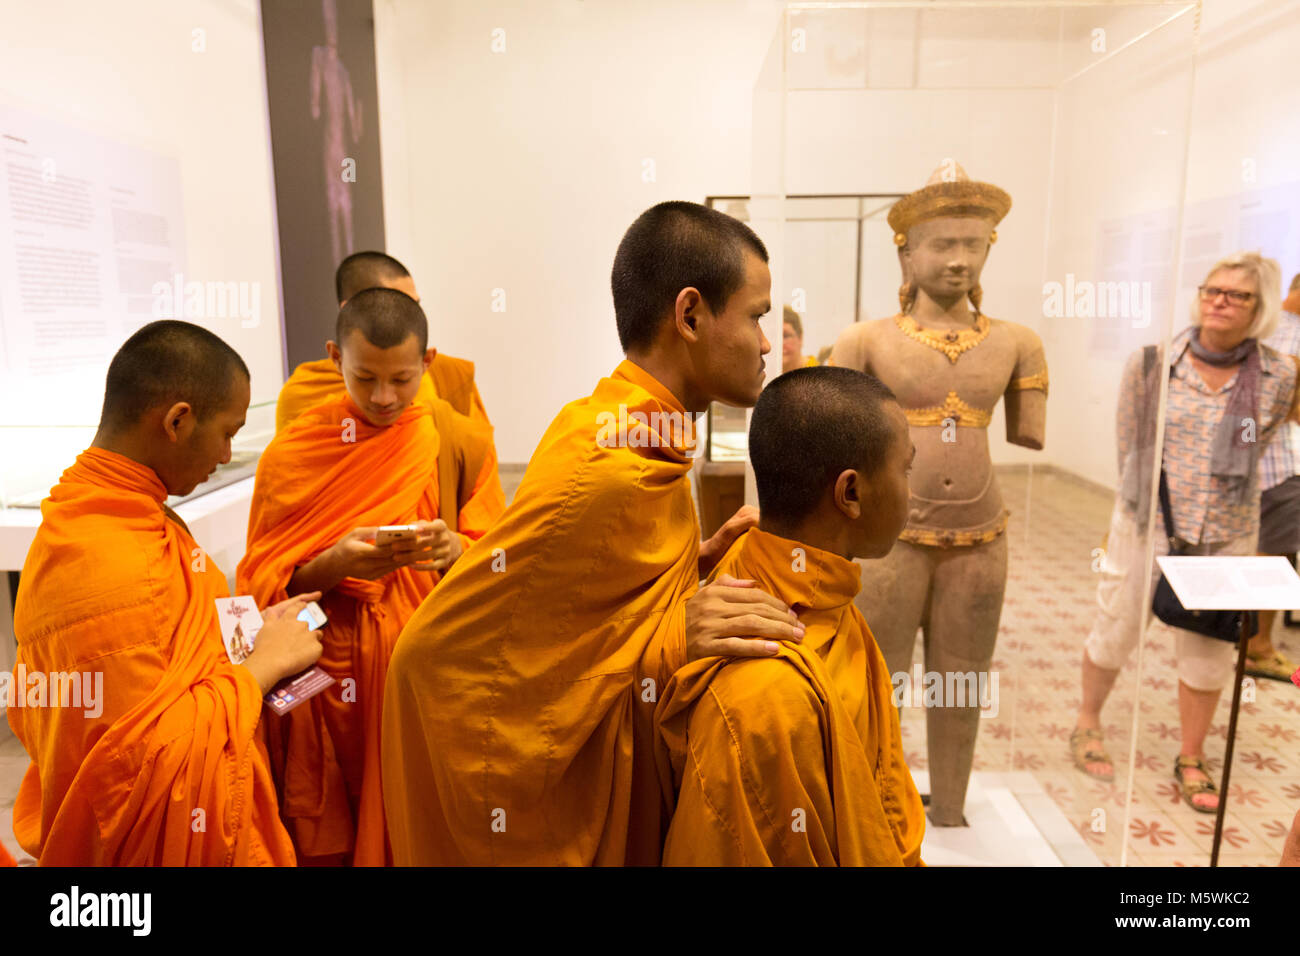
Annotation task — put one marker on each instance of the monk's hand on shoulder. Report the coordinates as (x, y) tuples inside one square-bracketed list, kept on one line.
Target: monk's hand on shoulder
[(435, 548), (284, 645), (712, 550), (733, 618)]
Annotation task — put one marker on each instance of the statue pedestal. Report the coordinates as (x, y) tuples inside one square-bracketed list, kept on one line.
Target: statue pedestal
[(1013, 822)]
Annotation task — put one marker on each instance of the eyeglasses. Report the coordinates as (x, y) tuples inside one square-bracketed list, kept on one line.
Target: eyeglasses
[(1210, 292)]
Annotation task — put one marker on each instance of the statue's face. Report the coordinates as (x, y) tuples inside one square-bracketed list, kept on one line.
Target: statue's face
[(944, 257)]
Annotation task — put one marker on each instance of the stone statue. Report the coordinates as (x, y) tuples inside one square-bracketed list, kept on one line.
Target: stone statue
[(948, 363)]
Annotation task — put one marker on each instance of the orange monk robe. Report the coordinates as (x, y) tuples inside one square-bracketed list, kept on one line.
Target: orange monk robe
[(468, 475), (314, 383), (5, 858), (331, 471), (797, 759), (518, 713), (172, 771)]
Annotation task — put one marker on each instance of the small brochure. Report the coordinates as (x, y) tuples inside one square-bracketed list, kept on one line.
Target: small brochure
[(240, 622)]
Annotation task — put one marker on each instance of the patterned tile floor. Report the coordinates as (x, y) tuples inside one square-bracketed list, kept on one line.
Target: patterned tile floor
[(1051, 591)]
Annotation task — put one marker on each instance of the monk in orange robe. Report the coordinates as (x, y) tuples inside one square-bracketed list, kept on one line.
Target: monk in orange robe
[(518, 712), (5, 858), (313, 383), (325, 485), (798, 759), (151, 757)]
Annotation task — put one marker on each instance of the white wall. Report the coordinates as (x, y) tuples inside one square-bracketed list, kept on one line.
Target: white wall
[(521, 170), (1243, 137), (1247, 104), (130, 72)]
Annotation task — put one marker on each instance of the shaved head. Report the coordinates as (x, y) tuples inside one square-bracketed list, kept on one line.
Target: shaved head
[(366, 270), (671, 247), (810, 425), (168, 362), (386, 318)]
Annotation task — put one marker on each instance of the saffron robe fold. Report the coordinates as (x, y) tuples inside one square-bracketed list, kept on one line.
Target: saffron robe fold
[(795, 759), (172, 771), (468, 475), (331, 471), (316, 382), (518, 712)]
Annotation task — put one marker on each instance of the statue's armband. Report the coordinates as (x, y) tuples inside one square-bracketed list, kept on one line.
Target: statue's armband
[(1026, 404)]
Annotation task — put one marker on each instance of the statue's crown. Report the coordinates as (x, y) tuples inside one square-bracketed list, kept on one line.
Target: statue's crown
[(948, 192)]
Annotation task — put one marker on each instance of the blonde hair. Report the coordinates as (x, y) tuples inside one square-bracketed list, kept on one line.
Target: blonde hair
[(1268, 295), (792, 319)]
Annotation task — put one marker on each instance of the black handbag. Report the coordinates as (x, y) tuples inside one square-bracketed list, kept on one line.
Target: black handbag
[(1221, 625)]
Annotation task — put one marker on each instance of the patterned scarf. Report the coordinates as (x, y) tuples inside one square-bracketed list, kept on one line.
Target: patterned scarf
[(1236, 440)]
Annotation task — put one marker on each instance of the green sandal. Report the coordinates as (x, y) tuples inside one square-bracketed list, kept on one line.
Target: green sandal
[(1084, 755), (1276, 666), (1193, 787)]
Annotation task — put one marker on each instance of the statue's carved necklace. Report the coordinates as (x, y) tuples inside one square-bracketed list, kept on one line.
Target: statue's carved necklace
[(951, 343)]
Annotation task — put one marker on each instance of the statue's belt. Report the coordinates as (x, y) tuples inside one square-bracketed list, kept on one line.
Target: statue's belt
[(956, 537)]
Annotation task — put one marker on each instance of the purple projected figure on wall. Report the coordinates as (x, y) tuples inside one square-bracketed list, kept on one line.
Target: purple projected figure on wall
[(328, 71)]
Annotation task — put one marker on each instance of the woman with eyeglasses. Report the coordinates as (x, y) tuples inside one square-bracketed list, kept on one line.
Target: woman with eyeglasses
[(1228, 395)]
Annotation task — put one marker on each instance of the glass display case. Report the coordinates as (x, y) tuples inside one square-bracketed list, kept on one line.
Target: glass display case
[(1080, 112), (839, 253), (45, 451)]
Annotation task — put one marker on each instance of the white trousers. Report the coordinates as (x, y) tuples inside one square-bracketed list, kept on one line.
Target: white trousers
[(1203, 662)]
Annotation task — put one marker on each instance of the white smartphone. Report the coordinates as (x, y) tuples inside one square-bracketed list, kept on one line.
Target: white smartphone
[(390, 533), (313, 615)]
